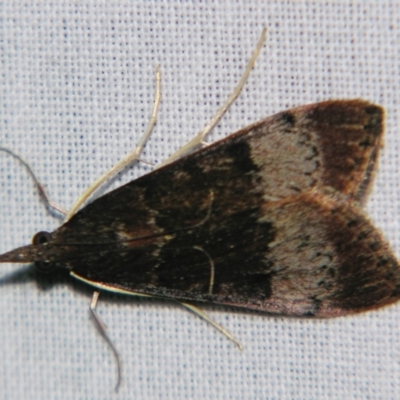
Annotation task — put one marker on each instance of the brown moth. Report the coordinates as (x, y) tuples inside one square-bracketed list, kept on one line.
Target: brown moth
[(269, 219)]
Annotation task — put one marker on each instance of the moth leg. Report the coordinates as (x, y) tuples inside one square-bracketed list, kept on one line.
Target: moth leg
[(203, 315), (40, 188), (198, 140), (102, 329), (134, 155)]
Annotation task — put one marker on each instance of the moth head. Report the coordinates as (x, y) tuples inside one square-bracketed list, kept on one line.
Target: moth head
[(37, 253)]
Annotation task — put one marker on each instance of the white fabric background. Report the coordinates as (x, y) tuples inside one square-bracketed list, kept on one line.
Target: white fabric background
[(76, 89)]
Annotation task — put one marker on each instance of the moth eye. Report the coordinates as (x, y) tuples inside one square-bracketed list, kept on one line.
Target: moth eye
[(41, 238), (44, 266)]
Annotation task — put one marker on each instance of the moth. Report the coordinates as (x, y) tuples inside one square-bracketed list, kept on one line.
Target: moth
[(269, 219)]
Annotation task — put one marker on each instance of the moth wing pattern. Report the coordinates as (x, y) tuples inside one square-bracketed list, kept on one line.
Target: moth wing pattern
[(281, 156), (304, 255), (329, 260), (266, 219)]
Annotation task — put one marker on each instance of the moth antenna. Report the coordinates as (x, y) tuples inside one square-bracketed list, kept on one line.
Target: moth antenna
[(102, 329), (40, 187), (127, 160), (198, 139), (219, 327)]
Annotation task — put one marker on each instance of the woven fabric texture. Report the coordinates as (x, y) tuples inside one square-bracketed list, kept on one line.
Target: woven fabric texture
[(76, 91)]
